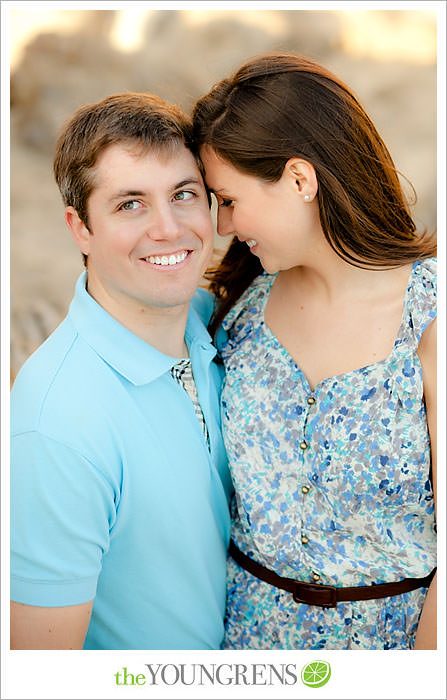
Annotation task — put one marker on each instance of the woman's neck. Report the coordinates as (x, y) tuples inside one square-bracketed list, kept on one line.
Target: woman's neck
[(332, 279)]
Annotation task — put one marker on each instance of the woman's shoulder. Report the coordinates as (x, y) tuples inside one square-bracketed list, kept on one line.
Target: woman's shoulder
[(246, 316), (422, 295), (251, 302), (425, 273)]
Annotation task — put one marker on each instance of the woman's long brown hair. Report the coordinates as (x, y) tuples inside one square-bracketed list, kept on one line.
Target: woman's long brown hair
[(279, 106)]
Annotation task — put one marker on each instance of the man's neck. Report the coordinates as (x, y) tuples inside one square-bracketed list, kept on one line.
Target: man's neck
[(161, 327), (164, 331)]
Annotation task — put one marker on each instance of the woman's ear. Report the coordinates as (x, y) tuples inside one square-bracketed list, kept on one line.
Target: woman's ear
[(79, 230), (303, 177)]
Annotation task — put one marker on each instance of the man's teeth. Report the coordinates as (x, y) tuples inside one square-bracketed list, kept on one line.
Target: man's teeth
[(167, 259), (251, 243)]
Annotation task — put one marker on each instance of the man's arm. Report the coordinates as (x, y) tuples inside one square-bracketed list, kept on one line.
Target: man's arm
[(62, 508), (34, 627), (426, 632)]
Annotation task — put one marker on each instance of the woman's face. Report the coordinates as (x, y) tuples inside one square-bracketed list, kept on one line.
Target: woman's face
[(273, 218)]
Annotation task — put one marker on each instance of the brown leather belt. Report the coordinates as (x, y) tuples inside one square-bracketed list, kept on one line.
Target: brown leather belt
[(319, 594)]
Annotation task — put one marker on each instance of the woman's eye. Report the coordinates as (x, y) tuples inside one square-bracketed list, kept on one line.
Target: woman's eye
[(183, 196), (226, 203), (130, 205)]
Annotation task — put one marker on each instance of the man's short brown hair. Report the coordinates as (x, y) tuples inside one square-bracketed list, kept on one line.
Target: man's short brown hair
[(130, 117)]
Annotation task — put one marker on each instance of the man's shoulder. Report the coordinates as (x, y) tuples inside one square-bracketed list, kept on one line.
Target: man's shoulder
[(57, 381), (41, 367), (66, 400)]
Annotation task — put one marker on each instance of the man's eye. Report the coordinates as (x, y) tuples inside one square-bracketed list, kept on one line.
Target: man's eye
[(183, 196), (131, 204)]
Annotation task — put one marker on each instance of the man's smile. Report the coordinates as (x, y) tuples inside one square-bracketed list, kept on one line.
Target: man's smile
[(167, 260)]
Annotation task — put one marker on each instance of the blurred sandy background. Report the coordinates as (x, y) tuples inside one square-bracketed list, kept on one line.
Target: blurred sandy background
[(61, 59)]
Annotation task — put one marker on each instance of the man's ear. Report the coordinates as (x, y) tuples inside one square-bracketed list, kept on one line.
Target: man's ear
[(79, 230)]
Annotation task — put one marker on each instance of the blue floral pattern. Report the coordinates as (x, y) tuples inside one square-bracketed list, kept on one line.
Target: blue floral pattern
[(332, 485)]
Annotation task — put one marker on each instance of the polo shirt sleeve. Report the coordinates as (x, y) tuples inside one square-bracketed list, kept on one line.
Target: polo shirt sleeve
[(62, 510)]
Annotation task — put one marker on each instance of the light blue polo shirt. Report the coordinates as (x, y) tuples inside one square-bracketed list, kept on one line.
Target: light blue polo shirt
[(114, 494)]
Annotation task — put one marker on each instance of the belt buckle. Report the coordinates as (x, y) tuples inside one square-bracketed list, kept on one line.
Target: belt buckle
[(318, 594)]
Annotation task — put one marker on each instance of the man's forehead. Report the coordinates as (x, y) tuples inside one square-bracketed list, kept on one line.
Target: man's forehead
[(117, 159), (136, 150)]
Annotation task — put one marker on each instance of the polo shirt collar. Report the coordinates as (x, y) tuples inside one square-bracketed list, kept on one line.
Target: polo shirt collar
[(132, 357)]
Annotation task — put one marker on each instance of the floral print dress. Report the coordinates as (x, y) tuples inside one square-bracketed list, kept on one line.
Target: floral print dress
[(332, 485)]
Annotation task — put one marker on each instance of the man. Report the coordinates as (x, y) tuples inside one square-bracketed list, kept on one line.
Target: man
[(120, 489)]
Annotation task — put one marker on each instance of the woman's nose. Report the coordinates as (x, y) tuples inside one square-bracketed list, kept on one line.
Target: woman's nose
[(225, 222)]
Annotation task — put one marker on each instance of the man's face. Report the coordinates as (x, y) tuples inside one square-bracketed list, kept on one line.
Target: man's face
[(150, 235)]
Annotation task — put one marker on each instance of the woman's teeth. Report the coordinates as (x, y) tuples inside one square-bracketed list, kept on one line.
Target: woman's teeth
[(167, 259), (251, 243)]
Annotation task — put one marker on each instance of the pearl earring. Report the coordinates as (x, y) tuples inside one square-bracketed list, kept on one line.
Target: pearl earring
[(307, 197)]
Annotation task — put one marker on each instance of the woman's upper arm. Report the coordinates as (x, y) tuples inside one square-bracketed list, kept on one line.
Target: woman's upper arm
[(427, 352)]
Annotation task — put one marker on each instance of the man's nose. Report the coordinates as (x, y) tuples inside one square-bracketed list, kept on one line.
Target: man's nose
[(164, 224)]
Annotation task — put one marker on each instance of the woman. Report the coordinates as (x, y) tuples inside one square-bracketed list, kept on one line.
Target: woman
[(327, 294)]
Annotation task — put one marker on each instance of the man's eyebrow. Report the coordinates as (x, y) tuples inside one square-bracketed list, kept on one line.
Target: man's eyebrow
[(127, 193), (140, 193), (188, 181)]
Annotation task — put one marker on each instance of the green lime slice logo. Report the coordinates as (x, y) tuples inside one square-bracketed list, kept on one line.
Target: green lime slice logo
[(316, 674)]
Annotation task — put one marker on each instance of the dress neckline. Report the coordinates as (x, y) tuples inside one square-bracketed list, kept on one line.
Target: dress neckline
[(343, 375)]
